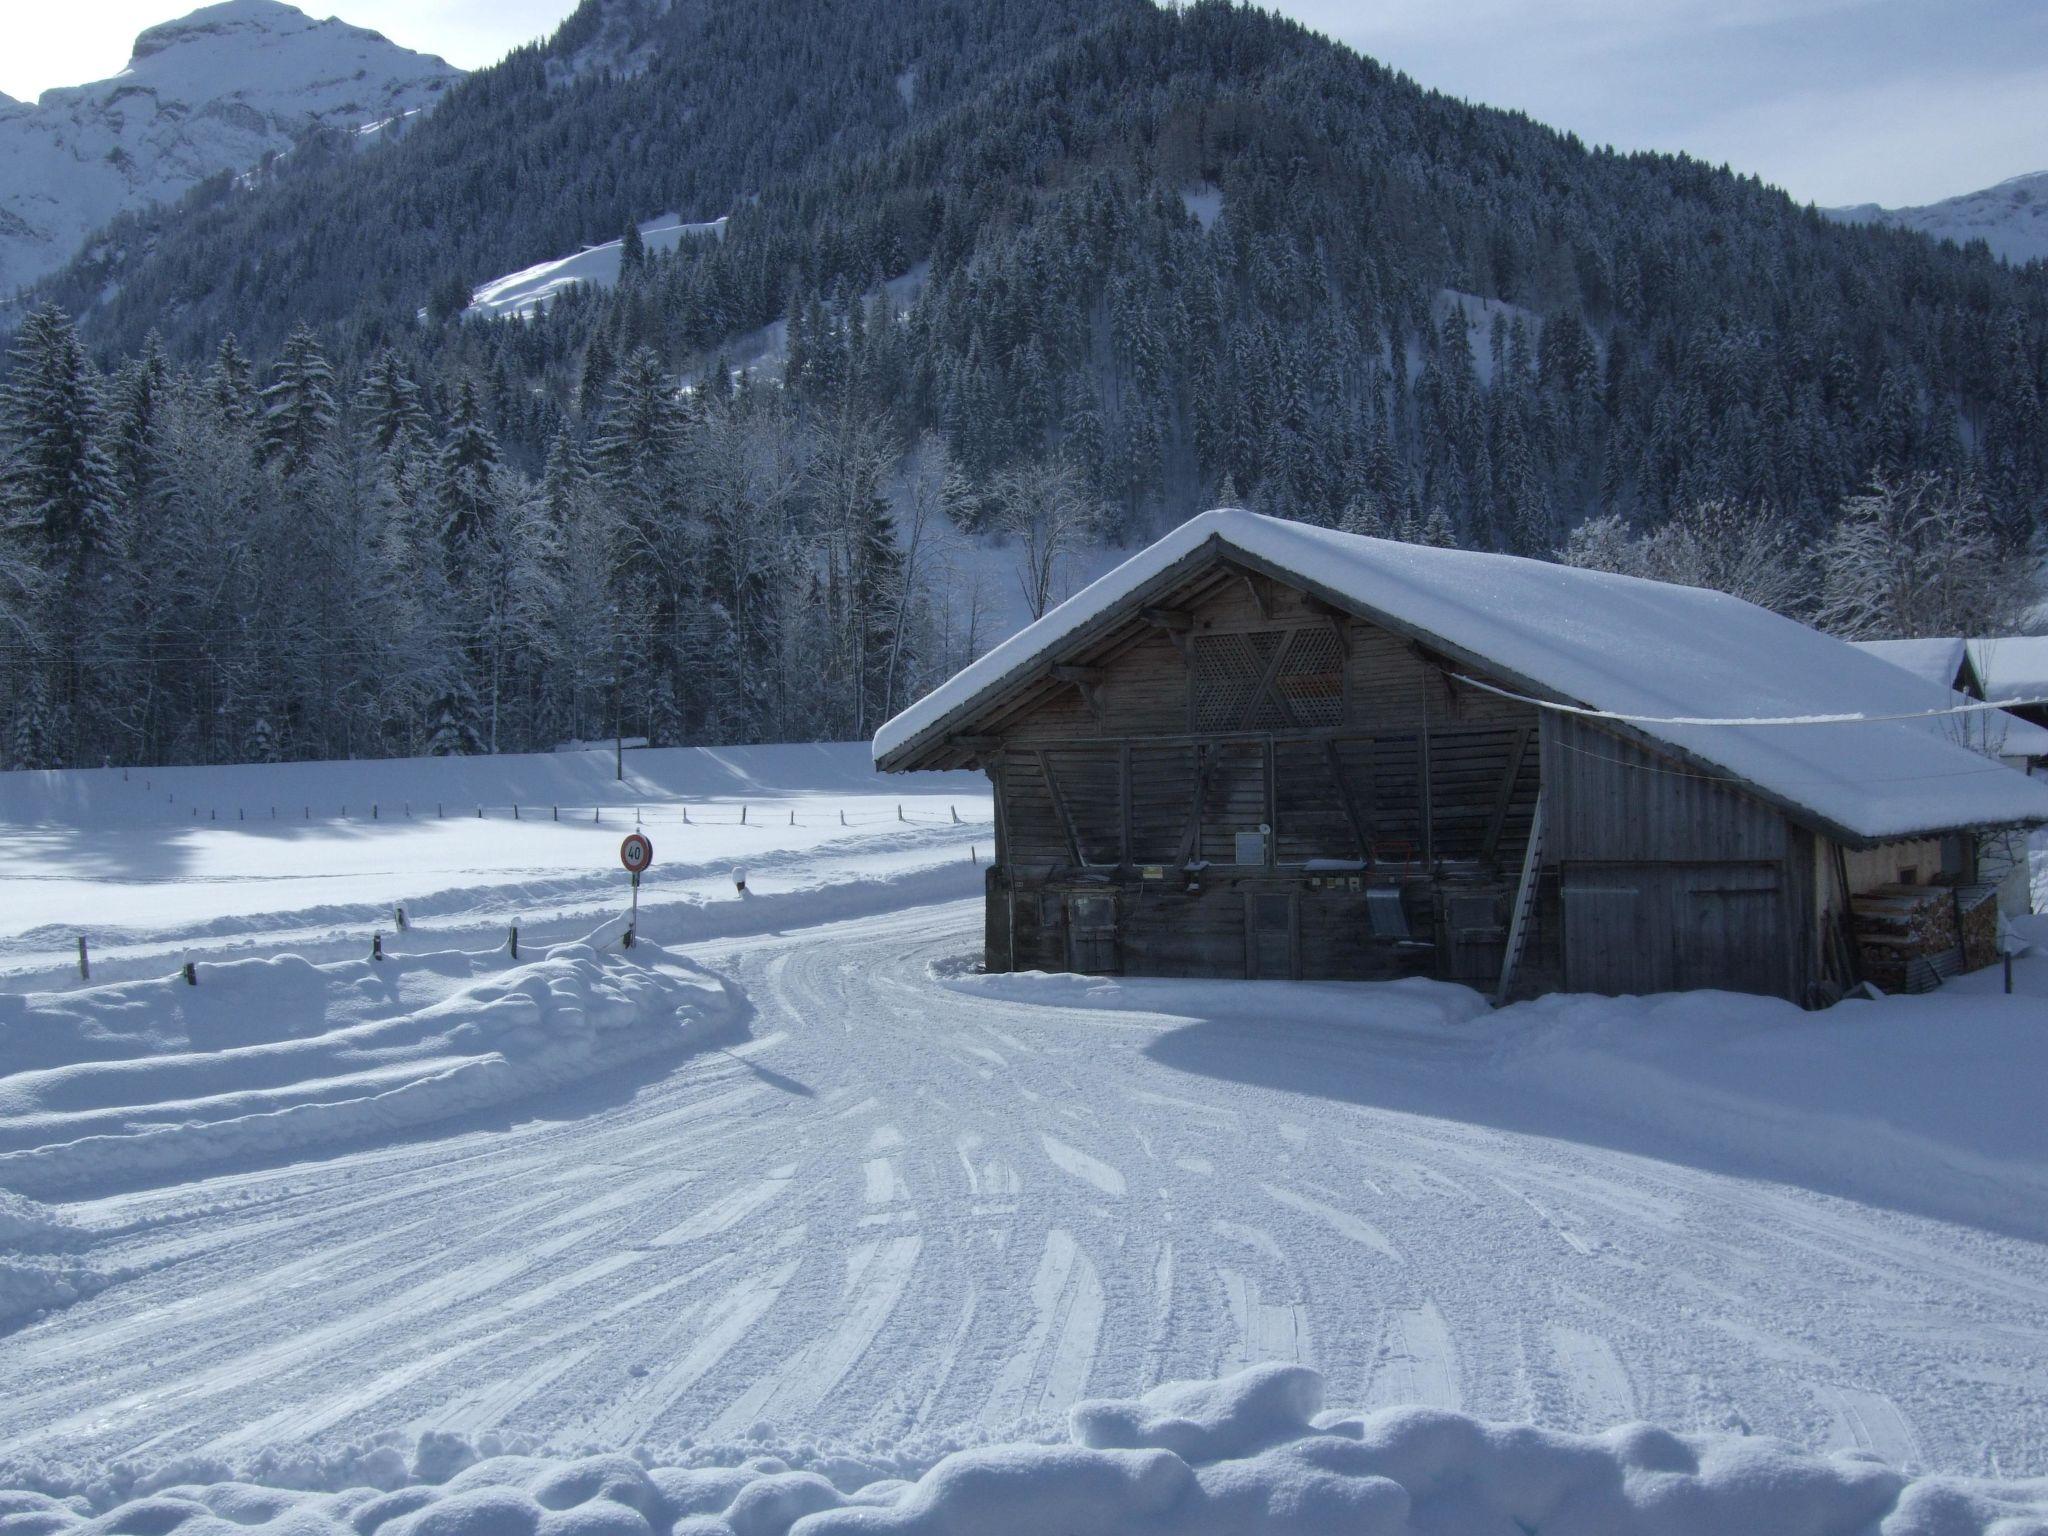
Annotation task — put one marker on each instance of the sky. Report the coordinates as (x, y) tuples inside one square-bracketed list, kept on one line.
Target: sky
[(1838, 101)]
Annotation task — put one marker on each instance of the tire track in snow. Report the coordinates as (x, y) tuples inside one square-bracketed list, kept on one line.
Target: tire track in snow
[(1048, 1371)]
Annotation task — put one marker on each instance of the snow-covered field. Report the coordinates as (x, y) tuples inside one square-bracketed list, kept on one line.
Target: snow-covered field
[(787, 1203)]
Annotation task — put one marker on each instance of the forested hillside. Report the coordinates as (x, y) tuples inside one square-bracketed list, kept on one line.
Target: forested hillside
[(1137, 262)]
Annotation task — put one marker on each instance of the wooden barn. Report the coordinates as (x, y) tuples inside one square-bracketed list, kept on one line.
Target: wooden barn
[(1264, 749)]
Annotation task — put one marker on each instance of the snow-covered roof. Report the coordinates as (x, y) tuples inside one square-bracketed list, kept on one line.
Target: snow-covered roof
[(1941, 661), (1938, 661), (1674, 659), (2012, 666)]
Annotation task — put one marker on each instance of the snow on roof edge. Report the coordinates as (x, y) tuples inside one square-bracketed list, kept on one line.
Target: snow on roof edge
[(1618, 643)]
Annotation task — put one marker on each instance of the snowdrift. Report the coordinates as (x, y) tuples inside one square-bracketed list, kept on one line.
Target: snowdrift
[(151, 1079), (40, 1266), (1251, 1455), (1927, 1104)]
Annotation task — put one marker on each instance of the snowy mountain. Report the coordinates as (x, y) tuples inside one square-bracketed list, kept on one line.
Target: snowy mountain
[(218, 90), (2011, 218)]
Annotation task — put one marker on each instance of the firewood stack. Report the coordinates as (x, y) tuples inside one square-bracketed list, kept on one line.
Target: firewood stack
[(1898, 925)]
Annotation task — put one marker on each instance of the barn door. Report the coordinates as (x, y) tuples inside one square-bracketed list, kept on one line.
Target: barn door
[(1640, 928), (1091, 934), (1269, 926)]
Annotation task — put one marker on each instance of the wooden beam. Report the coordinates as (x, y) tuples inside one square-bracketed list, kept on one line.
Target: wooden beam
[(1268, 769), (1259, 595), (1501, 801), (1087, 682), (1123, 784), (1059, 805), (1191, 838), (1167, 618), (1344, 798), (1265, 688)]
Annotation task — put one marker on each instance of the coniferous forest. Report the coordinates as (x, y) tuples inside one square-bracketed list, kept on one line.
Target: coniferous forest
[(1049, 274)]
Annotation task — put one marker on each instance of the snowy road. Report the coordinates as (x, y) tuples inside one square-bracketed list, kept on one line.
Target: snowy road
[(899, 1212)]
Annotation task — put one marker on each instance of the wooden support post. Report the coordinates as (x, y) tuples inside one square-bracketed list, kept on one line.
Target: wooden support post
[(1059, 805), (1191, 838), (1357, 823), (1267, 767), (1428, 805), (1505, 797), (1123, 784)]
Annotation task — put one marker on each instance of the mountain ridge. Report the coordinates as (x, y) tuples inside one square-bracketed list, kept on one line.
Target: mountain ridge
[(2010, 217), (219, 89)]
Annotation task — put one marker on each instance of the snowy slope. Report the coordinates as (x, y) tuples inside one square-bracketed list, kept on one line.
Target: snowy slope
[(531, 288), (215, 91), (2011, 218)]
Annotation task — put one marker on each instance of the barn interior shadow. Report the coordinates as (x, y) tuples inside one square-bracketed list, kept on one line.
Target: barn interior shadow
[(1444, 1076)]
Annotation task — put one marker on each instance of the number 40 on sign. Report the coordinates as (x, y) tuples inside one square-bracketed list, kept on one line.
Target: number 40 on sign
[(636, 853)]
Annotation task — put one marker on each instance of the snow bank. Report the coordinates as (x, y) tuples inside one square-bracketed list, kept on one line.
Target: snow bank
[(1413, 1004), (269, 1057), (38, 1270), (1251, 1455), (1929, 1103)]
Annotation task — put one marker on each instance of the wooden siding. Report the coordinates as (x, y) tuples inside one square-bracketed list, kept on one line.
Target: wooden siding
[(1669, 927), (1616, 802), (1130, 842), (1668, 878)]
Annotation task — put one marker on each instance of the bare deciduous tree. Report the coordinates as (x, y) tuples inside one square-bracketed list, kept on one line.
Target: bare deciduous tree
[(1047, 507), (1916, 557)]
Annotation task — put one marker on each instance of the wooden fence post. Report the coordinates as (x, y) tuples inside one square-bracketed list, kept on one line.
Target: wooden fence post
[(84, 963)]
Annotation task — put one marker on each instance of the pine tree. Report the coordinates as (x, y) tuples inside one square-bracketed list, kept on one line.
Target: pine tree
[(391, 410), (468, 457), (230, 383), (58, 472), (298, 404)]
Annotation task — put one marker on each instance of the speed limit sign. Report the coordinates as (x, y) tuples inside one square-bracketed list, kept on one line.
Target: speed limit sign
[(636, 853)]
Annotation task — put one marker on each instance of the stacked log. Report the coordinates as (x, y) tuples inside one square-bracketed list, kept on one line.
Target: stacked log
[(1895, 925)]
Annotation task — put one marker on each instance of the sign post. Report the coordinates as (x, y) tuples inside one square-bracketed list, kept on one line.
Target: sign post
[(636, 853)]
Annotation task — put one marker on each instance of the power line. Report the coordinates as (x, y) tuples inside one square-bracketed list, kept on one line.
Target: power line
[(1969, 707)]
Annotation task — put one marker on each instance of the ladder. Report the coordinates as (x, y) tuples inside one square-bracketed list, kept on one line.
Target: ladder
[(1525, 905)]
